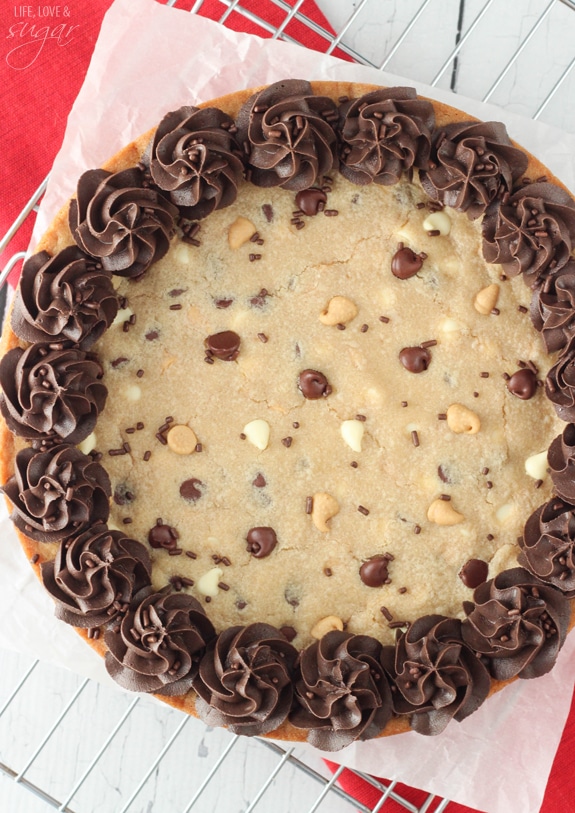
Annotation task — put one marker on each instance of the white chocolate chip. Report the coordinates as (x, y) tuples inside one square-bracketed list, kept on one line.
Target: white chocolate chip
[(449, 325), (240, 231), (352, 433), (438, 221), (181, 439), (116, 281), (462, 421), (112, 526), (325, 625), (122, 316), (339, 311), (536, 466), (207, 584), (183, 254), (324, 507), (486, 299), (443, 513), (258, 433), (133, 392), (504, 513), (89, 444)]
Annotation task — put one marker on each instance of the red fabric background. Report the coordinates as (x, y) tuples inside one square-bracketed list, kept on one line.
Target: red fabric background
[(40, 80)]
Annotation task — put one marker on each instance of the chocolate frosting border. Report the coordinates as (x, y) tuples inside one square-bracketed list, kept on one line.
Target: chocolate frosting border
[(542, 264)]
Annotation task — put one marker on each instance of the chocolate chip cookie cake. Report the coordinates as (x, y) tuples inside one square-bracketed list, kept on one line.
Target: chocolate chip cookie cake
[(289, 412)]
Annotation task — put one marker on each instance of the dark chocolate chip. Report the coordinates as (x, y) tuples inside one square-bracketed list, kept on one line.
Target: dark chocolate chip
[(309, 200), (152, 335), (313, 385), (260, 481), (224, 345), (288, 632), (268, 211), (474, 572), (405, 263), (523, 384), (415, 359), (163, 536), (223, 303), (190, 489), (261, 541), (118, 362), (374, 573)]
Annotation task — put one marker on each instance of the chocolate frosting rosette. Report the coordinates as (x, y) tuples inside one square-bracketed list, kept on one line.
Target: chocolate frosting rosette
[(548, 545), (341, 691), (55, 394), (531, 232), (561, 459), (121, 221), (553, 308), (385, 133), (67, 297), (472, 164), (437, 677), (95, 575), (288, 135), (57, 493), (560, 384), (159, 643), (195, 158), (245, 680), (517, 624)]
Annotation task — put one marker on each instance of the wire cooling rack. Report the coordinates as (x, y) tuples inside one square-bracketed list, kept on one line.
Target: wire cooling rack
[(135, 755)]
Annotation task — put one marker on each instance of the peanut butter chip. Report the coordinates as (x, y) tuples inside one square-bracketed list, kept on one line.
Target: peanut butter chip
[(240, 231), (325, 625), (486, 299), (324, 507), (441, 512), (181, 439), (462, 420), (339, 311)]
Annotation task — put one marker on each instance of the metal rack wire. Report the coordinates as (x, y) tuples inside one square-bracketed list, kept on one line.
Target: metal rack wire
[(224, 772)]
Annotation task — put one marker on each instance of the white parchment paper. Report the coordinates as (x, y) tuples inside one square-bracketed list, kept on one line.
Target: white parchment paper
[(150, 59)]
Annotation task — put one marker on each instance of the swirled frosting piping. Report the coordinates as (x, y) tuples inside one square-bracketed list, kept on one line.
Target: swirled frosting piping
[(472, 164), (57, 493), (553, 308), (548, 545), (385, 133), (55, 394), (531, 232), (68, 297), (561, 459), (195, 158), (245, 680), (341, 691), (288, 135), (159, 643), (437, 677), (560, 384), (517, 623), (119, 220), (95, 575)]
